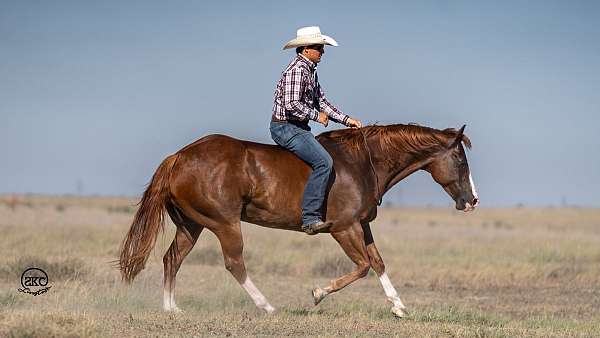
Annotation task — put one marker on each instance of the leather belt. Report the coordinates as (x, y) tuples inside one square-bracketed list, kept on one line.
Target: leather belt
[(297, 123), (275, 119), (292, 121)]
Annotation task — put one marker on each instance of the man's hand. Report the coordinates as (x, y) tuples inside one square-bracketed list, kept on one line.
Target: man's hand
[(323, 119), (354, 123)]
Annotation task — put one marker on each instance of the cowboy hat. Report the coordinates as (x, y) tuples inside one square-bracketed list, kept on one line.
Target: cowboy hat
[(307, 36)]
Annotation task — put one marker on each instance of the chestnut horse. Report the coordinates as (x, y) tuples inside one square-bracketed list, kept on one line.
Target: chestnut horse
[(219, 181)]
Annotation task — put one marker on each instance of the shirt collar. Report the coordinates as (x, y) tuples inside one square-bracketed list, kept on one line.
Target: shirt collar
[(311, 65)]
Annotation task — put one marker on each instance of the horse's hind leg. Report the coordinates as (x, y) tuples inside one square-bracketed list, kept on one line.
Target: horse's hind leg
[(377, 264), (185, 238), (352, 242), (230, 237)]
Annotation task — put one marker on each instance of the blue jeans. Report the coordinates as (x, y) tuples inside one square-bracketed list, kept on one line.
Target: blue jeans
[(298, 139)]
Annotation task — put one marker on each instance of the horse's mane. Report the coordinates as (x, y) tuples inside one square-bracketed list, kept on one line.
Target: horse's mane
[(411, 138)]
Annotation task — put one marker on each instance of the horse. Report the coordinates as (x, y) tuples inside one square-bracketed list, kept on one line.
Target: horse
[(218, 181)]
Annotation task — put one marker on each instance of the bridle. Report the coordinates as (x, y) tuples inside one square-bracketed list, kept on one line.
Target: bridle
[(379, 197)]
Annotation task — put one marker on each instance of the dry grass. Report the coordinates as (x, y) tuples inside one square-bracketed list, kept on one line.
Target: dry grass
[(493, 273)]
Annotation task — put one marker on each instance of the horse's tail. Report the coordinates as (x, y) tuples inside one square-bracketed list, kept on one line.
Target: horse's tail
[(148, 220)]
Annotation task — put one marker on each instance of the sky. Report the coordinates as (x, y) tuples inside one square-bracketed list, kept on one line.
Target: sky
[(94, 94)]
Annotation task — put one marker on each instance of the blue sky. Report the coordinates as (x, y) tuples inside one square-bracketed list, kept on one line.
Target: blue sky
[(95, 94)]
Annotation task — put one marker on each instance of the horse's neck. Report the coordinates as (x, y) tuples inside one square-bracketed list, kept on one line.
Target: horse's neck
[(389, 165), (392, 168)]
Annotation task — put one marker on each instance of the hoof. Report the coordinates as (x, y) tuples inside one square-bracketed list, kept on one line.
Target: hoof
[(318, 295), (399, 312), (269, 309), (174, 309)]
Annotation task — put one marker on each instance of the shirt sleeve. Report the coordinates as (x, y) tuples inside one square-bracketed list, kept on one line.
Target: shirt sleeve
[(294, 82), (331, 111)]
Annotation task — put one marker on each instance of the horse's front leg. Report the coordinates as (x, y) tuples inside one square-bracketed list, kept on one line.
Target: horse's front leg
[(352, 242), (378, 266)]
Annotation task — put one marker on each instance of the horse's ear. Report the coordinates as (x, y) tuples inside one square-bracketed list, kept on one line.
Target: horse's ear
[(459, 137)]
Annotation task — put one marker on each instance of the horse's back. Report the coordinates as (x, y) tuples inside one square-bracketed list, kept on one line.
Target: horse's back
[(230, 151), (218, 157)]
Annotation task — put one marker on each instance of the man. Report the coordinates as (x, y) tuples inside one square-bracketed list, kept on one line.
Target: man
[(298, 99)]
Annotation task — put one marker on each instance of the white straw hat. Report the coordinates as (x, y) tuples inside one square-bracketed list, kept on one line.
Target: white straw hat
[(307, 36)]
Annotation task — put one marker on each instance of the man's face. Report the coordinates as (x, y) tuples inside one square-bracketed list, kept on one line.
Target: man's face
[(314, 52)]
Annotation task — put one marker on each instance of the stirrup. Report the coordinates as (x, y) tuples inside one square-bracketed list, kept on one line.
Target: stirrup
[(314, 228)]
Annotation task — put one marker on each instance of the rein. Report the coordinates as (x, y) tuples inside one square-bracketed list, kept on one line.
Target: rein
[(379, 197)]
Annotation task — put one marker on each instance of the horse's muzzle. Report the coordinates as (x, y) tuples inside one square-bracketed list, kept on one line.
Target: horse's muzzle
[(471, 206)]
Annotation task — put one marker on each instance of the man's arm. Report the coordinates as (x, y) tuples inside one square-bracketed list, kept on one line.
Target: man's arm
[(329, 109), (293, 87), (334, 113)]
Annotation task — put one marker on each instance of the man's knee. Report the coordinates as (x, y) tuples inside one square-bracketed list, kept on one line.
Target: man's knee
[(325, 162)]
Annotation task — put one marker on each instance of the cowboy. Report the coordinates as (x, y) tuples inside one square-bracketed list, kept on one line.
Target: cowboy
[(298, 99)]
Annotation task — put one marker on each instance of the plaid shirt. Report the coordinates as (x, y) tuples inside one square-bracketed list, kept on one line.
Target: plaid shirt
[(298, 95)]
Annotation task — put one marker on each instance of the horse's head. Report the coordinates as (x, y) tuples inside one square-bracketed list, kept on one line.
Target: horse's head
[(451, 170)]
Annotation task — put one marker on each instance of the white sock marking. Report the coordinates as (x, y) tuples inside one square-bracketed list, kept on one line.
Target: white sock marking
[(167, 299), (257, 296), (173, 305), (390, 292)]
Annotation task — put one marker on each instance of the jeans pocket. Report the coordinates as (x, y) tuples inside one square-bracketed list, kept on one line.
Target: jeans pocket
[(278, 133)]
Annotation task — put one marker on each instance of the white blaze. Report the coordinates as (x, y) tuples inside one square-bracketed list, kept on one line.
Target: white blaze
[(257, 296), (473, 191), (390, 292)]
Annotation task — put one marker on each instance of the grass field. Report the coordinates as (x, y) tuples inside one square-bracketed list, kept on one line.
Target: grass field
[(491, 273)]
